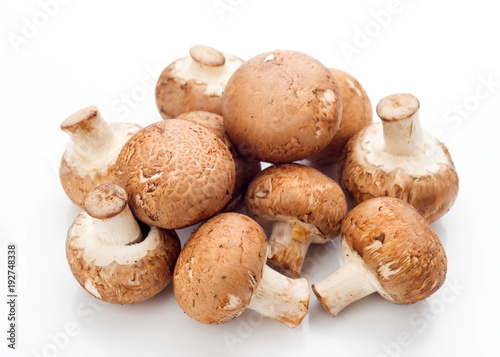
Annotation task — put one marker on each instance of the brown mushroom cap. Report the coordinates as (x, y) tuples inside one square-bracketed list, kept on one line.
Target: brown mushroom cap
[(195, 82), (432, 194), (220, 267), (281, 106), (79, 175), (245, 169), (294, 192), (176, 173), (118, 272), (356, 114), (398, 246)]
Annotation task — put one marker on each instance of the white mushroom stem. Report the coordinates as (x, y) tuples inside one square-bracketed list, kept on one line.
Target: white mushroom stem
[(403, 137), (121, 229), (280, 298), (288, 247), (207, 73), (92, 137), (346, 285)]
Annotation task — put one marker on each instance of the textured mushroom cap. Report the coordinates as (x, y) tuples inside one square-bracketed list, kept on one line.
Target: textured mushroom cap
[(142, 270), (245, 169), (398, 246), (186, 86), (356, 114), (77, 179), (176, 173), (294, 192), (281, 106), (220, 267), (432, 194)]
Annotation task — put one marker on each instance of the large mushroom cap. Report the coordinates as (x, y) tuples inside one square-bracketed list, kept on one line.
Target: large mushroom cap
[(176, 173), (356, 114), (195, 82), (113, 272), (220, 267), (281, 106), (398, 247), (297, 193), (245, 169)]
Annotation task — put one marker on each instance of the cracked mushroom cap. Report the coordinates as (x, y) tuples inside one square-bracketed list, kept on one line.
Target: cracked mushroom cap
[(220, 267), (81, 171), (281, 106), (176, 173), (195, 82), (428, 181), (245, 169), (120, 274), (398, 247), (300, 195), (356, 114)]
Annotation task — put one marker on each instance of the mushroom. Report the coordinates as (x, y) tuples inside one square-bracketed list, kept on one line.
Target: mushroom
[(90, 157), (388, 248), (301, 206), (221, 271), (195, 82), (245, 169), (281, 106), (111, 257), (398, 159), (356, 114), (176, 173)]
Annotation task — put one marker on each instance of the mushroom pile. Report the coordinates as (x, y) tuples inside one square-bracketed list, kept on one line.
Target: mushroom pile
[(200, 163)]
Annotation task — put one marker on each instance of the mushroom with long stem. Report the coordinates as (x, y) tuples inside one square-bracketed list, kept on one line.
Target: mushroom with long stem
[(399, 159), (90, 157), (221, 271), (389, 248), (112, 257)]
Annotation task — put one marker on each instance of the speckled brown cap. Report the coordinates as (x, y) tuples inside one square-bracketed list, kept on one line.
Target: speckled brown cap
[(281, 106), (176, 173), (356, 114), (297, 192), (220, 267), (398, 246), (195, 82), (245, 169)]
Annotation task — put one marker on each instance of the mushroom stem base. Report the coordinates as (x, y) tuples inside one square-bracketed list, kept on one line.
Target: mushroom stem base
[(280, 298), (346, 285), (288, 247), (120, 230)]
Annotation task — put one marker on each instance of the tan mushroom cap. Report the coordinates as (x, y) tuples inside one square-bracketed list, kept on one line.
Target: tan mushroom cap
[(398, 246), (112, 272), (281, 106), (220, 267), (356, 114), (78, 176), (297, 193), (245, 169), (195, 82), (176, 173), (431, 194)]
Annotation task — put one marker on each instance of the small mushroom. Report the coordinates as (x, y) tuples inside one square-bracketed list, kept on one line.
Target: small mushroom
[(195, 82), (398, 159), (176, 173), (356, 114), (388, 248), (245, 169), (90, 157), (221, 271), (111, 257), (281, 106), (301, 205)]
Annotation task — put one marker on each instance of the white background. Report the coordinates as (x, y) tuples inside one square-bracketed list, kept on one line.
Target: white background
[(99, 52)]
